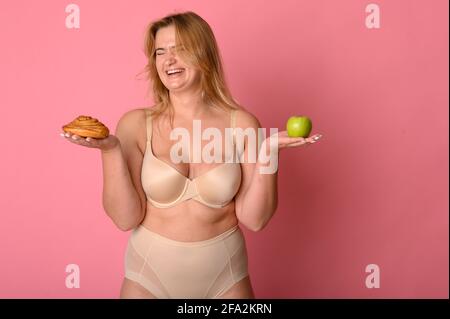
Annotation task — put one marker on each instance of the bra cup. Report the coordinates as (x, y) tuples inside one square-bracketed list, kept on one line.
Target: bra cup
[(220, 185), (165, 187), (164, 184)]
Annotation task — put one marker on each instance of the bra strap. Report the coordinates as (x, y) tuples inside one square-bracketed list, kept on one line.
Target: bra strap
[(233, 124), (148, 116)]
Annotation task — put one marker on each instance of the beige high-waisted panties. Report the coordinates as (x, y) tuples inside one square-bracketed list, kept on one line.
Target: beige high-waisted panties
[(174, 269)]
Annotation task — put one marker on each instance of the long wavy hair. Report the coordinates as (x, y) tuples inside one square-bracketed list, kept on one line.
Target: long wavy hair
[(200, 50)]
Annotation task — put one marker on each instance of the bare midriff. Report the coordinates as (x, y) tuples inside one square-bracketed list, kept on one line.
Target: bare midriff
[(190, 220)]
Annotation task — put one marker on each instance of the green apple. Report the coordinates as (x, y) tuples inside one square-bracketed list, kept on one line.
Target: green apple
[(298, 126)]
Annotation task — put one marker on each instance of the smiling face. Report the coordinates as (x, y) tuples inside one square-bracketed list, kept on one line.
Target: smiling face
[(175, 74)]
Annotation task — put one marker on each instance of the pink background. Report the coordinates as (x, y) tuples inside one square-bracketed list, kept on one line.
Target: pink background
[(373, 191)]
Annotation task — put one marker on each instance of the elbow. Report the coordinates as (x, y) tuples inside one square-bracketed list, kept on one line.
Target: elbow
[(260, 224), (125, 227), (127, 224), (257, 220), (256, 227)]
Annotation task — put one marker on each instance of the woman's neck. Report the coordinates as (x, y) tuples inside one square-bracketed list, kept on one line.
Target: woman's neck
[(188, 105)]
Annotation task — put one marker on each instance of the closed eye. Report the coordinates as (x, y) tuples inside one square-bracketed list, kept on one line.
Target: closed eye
[(161, 51)]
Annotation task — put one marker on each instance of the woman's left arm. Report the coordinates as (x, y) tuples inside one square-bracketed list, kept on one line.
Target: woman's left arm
[(257, 199)]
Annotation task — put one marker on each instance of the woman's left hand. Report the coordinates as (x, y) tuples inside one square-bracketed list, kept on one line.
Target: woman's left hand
[(285, 141)]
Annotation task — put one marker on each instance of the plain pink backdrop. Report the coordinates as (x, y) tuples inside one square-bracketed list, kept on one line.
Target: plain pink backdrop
[(374, 190)]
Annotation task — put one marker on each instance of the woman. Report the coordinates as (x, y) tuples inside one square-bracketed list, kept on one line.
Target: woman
[(186, 242)]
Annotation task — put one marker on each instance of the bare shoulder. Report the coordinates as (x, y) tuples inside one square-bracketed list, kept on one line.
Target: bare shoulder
[(132, 118), (131, 127), (245, 119)]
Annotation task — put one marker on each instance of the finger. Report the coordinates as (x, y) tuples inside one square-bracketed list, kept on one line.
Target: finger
[(313, 139), (68, 137), (307, 139), (80, 140), (291, 144), (92, 142), (295, 144), (76, 137), (299, 143), (294, 140)]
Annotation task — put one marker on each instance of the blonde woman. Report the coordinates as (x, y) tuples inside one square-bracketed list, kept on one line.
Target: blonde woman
[(184, 215)]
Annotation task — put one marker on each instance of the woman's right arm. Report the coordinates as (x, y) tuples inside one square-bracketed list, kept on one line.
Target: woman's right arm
[(123, 198)]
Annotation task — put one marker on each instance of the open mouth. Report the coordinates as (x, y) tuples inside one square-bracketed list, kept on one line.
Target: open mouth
[(174, 72)]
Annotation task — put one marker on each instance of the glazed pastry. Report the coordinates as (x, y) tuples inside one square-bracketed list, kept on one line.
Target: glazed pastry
[(86, 126)]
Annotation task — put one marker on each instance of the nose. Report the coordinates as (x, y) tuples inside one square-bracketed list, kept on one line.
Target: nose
[(170, 59), (171, 54)]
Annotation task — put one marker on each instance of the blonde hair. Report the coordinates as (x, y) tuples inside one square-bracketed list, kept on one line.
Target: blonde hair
[(199, 49)]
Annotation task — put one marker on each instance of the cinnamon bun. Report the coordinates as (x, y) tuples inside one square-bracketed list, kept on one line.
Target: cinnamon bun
[(86, 126)]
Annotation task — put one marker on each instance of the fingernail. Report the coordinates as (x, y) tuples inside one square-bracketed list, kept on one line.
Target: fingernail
[(74, 137), (61, 134), (88, 139)]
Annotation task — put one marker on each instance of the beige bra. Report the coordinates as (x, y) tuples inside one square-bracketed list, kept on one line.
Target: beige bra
[(166, 187)]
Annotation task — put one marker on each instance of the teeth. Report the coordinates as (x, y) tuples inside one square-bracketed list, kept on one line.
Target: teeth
[(174, 71)]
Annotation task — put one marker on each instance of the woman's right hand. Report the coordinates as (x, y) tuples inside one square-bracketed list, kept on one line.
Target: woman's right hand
[(104, 144)]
